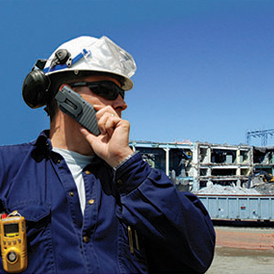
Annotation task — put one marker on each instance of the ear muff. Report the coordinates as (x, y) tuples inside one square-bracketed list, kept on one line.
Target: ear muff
[(35, 88), (36, 85)]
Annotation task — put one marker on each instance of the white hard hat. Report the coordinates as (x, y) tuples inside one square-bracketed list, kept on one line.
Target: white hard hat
[(95, 55)]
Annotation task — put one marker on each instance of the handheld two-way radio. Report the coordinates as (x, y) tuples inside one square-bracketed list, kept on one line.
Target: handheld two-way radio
[(71, 103), (13, 243)]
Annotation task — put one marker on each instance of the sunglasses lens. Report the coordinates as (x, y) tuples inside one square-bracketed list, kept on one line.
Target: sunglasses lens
[(122, 93), (108, 90)]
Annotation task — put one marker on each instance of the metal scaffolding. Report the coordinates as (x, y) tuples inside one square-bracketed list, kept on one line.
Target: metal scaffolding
[(263, 134)]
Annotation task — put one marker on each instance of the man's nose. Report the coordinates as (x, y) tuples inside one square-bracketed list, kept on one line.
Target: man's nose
[(119, 104)]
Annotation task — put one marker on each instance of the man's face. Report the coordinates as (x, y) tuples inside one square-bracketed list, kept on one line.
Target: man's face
[(118, 104)]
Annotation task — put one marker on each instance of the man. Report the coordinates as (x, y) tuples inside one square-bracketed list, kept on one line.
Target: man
[(91, 204)]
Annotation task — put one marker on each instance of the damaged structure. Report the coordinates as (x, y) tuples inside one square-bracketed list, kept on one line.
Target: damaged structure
[(233, 182)]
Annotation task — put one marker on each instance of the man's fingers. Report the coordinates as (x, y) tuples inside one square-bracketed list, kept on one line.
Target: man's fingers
[(107, 123), (90, 137)]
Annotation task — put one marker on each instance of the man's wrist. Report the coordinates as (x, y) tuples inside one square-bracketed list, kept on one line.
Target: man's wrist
[(124, 160)]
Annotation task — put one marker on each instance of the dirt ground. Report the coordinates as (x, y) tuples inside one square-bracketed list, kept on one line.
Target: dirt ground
[(241, 261), (229, 260)]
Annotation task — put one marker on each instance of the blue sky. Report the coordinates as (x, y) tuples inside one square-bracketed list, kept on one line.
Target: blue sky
[(205, 67)]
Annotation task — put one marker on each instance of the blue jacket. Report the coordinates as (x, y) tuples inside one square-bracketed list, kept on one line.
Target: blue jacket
[(135, 220)]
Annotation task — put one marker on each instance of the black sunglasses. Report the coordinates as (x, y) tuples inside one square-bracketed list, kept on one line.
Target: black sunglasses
[(107, 89)]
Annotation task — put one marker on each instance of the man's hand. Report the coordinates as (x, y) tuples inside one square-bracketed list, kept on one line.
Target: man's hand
[(112, 145)]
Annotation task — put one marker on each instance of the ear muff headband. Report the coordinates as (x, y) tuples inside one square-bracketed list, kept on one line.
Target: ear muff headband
[(67, 64)]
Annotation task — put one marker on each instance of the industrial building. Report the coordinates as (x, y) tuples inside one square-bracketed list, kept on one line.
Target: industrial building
[(197, 164), (239, 177)]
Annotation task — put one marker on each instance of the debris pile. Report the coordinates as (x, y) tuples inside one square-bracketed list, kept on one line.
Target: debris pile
[(227, 190), (265, 189)]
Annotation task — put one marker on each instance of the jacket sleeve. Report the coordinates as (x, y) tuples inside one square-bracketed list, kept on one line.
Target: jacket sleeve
[(177, 228)]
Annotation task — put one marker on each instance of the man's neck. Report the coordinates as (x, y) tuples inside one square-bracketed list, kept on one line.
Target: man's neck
[(69, 137)]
